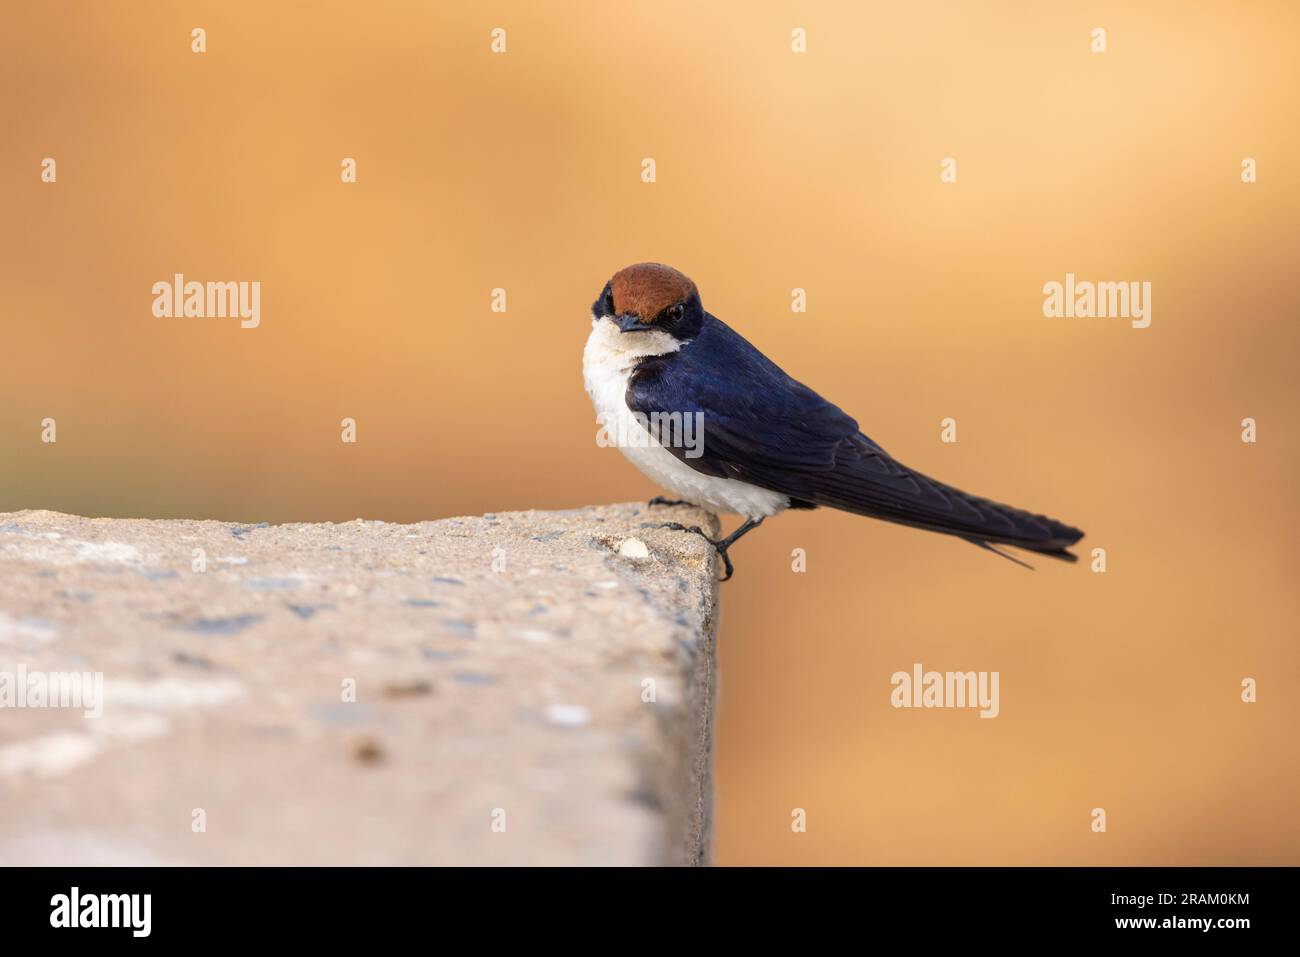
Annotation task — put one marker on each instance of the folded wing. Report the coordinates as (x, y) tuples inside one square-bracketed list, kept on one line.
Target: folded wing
[(763, 427)]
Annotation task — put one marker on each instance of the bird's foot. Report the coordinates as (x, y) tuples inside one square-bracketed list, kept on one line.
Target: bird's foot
[(660, 500), (719, 546)]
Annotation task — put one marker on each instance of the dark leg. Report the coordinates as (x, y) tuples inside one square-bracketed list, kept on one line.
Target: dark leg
[(726, 543), (660, 500), (720, 546)]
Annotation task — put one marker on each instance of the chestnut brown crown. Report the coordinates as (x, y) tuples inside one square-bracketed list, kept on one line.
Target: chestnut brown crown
[(646, 289)]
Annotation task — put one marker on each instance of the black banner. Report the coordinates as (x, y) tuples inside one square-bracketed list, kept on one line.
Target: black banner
[(333, 906)]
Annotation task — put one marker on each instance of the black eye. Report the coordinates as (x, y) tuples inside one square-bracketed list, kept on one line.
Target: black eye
[(676, 312)]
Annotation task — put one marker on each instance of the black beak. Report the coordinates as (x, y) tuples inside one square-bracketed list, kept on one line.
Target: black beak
[(628, 322)]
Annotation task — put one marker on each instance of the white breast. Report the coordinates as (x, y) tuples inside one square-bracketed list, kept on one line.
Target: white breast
[(607, 361)]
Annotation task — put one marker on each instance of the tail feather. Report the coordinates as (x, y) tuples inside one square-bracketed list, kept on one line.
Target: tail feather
[(870, 482)]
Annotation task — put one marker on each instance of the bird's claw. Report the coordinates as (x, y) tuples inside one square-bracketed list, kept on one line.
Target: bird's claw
[(726, 563), (660, 500), (718, 546)]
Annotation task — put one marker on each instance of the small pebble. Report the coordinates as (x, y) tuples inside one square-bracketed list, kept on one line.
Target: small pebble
[(633, 548), (568, 715)]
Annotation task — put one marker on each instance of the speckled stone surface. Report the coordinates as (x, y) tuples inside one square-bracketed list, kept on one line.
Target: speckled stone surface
[(530, 688)]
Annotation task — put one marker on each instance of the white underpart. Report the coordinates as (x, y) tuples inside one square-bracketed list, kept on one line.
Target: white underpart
[(607, 361)]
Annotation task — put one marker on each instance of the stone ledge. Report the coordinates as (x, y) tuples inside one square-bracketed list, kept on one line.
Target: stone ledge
[(500, 665)]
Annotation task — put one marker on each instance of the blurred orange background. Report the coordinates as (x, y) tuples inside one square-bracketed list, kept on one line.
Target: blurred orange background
[(775, 170)]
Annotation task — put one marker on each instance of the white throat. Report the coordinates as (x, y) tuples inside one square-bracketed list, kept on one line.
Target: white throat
[(607, 362), (622, 350)]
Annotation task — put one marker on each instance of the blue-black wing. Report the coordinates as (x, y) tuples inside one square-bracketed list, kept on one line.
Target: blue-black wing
[(763, 427)]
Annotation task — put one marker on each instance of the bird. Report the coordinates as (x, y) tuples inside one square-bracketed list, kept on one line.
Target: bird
[(656, 363)]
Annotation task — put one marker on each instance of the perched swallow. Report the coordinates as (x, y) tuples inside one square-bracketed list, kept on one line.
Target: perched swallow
[(768, 442)]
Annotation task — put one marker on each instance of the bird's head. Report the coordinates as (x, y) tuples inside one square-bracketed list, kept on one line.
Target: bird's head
[(651, 297)]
